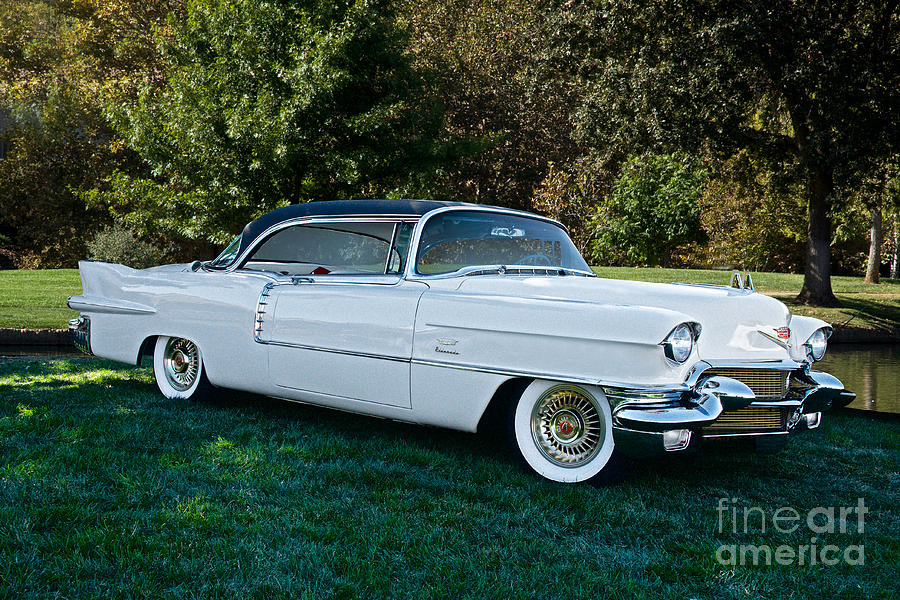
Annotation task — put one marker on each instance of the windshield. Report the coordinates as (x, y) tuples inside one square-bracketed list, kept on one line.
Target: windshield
[(228, 255), (458, 239)]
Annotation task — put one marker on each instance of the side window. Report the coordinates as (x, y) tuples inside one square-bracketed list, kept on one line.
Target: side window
[(401, 248), (338, 248)]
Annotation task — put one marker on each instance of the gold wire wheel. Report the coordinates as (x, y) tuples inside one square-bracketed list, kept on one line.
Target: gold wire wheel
[(181, 363), (567, 426)]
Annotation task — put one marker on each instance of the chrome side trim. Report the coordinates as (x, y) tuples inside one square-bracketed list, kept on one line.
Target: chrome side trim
[(335, 351), (509, 372), (261, 304), (637, 396), (108, 305)]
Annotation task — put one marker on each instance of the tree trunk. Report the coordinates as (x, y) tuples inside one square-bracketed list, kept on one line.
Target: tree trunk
[(895, 258), (874, 265), (817, 277)]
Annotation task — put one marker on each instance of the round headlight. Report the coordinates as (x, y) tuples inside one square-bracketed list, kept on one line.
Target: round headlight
[(817, 344), (680, 343)]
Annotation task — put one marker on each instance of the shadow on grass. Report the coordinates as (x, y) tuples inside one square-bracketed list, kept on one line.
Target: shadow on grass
[(109, 486), (129, 395), (855, 311)]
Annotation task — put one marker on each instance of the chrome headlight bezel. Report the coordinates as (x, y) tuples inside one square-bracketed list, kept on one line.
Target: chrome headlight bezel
[(816, 345), (678, 346)]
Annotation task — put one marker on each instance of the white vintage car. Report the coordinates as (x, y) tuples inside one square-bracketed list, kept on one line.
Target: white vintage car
[(464, 316)]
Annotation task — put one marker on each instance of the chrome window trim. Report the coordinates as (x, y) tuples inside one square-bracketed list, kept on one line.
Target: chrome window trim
[(317, 220), (411, 273), (387, 262), (504, 270)]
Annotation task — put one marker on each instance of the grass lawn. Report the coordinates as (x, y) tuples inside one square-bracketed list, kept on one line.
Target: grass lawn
[(108, 489), (37, 299)]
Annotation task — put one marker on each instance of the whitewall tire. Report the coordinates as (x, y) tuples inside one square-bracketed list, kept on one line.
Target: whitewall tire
[(563, 432), (178, 369)]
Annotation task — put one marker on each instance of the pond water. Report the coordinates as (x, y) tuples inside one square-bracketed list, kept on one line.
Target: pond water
[(871, 371)]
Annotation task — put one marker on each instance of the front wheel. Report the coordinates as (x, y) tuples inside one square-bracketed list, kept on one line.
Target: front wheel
[(564, 432), (178, 369)]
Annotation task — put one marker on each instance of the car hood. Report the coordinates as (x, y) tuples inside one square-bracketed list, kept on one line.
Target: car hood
[(734, 322)]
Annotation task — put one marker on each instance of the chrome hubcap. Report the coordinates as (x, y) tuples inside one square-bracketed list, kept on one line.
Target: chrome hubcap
[(567, 426), (181, 363)]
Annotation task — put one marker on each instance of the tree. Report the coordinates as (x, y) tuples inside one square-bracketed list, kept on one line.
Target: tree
[(506, 99), (653, 209), (753, 218), (882, 195), (59, 63), (570, 197), (812, 84), (265, 104)]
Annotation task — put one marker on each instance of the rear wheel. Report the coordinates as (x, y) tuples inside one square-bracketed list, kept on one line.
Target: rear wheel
[(178, 369), (564, 432)]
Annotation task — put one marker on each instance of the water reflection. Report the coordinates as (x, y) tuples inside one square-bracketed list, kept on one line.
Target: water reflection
[(870, 371)]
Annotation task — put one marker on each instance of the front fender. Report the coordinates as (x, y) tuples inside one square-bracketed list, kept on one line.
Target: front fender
[(801, 329)]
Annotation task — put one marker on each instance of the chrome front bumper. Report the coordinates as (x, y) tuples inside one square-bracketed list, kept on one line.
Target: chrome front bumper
[(80, 328), (657, 420)]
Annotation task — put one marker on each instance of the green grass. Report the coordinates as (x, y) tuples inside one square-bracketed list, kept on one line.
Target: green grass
[(108, 489), (37, 299)]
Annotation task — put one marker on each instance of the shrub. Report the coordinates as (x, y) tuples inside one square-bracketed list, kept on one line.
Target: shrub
[(652, 212), (118, 244)]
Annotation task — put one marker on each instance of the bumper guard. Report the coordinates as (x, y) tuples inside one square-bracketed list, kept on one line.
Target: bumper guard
[(643, 425)]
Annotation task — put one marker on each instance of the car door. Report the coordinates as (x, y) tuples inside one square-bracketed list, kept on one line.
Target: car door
[(343, 325)]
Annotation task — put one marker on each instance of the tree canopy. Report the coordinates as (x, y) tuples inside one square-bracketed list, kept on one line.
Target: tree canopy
[(179, 120), (654, 207), (264, 104), (814, 85)]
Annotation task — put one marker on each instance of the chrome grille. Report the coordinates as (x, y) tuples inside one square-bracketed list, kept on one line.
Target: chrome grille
[(750, 419), (767, 384)]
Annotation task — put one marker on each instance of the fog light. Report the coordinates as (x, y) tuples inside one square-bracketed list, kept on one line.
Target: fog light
[(676, 439), (813, 420)]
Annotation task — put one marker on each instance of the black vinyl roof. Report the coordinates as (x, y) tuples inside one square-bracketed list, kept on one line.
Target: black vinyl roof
[(336, 208)]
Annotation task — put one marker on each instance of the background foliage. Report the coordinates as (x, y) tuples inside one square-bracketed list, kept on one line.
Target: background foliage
[(182, 119), (653, 209)]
